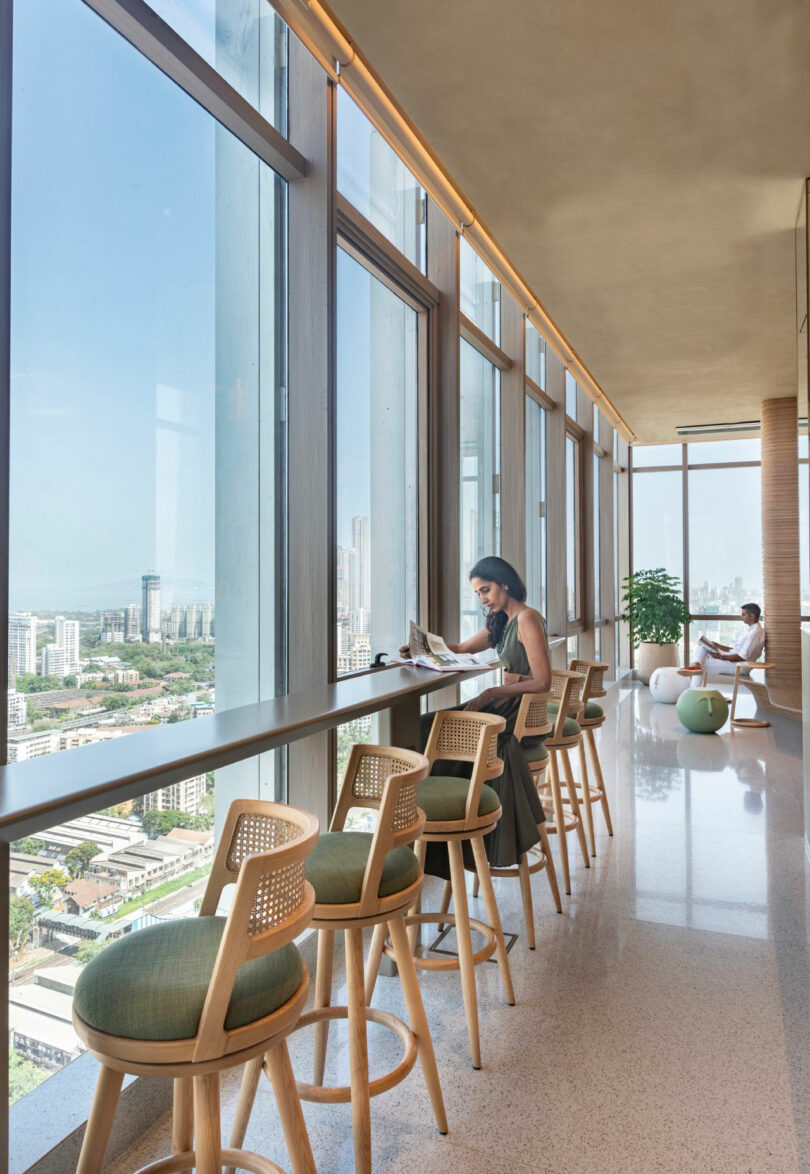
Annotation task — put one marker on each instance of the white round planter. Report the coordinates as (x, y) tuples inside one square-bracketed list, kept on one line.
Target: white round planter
[(667, 684), (650, 657)]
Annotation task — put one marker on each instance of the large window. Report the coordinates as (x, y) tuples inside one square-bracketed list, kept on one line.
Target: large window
[(148, 447), (570, 396), (377, 495), (480, 473), (536, 504), (376, 181), (480, 293), (573, 528), (535, 356), (725, 539), (658, 522)]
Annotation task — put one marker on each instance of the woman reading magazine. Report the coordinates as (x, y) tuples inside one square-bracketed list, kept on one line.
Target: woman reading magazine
[(518, 633)]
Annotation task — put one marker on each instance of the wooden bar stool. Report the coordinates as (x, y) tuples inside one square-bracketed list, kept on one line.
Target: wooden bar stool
[(566, 734), (459, 810), (532, 722), (755, 723), (189, 998), (591, 717), (363, 879)]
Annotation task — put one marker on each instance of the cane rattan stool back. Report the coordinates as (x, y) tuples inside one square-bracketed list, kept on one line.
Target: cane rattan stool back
[(468, 737)]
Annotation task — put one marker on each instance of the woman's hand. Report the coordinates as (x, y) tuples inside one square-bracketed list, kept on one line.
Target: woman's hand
[(480, 702)]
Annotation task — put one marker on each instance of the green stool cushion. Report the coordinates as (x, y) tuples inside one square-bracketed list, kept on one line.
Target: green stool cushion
[(152, 984), (593, 710), (571, 727), (443, 798), (337, 866), (533, 751)]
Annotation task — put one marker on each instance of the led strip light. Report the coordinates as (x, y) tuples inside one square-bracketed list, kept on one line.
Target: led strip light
[(315, 26)]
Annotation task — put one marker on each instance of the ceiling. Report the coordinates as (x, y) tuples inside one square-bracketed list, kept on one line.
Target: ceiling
[(642, 167)]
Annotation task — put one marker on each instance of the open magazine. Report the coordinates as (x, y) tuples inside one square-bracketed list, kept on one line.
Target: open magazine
[(430, 652)]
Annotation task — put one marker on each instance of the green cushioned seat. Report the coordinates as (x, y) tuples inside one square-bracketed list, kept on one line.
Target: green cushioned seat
[(443, 798), (152, 984), (533, 751), (337, 866), (592, 710), (570, 728)]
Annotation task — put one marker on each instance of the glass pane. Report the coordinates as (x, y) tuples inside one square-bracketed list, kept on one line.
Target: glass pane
[(245, 41), (713, 452), (597, 644), (572, 648), (377, 474), (536, 505), (617, 595), (373, 178), (480, 293), (803, 446), (148, 330), (570, 395), (535, 355), (360, 731), (658, 522), (480, 474), (804, 539), (597, 562), (725, 539), (572, 530), (648, 456)]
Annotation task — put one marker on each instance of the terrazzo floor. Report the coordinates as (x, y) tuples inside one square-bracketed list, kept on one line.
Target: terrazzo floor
[(662, 1022)]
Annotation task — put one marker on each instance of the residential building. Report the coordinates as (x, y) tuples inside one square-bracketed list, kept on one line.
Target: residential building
[(150, 609), (54, 661), (22, 643), (185, 796), (68, 637)]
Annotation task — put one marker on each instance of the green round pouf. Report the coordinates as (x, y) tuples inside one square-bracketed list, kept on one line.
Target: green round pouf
[(703, 711)]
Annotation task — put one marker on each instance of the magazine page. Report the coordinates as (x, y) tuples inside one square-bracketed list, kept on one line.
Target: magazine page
[(430, 651)]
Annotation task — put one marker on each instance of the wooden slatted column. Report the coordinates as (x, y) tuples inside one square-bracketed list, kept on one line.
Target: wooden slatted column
[(780, 549)]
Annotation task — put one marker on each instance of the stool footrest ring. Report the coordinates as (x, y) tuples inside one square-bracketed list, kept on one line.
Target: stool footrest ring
[(342, 1094), (422, 963), (753, 723)]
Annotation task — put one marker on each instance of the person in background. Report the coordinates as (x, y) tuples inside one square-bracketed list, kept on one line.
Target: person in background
[(719, 658)]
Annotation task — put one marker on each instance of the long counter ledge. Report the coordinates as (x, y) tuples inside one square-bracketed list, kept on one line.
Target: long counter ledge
[(57, 787)]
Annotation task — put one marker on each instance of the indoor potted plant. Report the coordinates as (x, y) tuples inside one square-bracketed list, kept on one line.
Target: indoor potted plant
[(657, 613)]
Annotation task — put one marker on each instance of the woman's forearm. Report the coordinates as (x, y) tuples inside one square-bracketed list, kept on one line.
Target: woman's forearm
[(531, 685)]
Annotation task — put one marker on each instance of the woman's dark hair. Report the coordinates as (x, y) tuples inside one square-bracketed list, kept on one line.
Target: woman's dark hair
[(497, 570)]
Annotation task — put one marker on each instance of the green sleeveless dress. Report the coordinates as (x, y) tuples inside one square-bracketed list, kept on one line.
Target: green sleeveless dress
[(521, 809)]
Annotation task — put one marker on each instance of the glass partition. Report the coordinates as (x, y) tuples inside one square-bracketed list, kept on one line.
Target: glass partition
[(536, 505), (480, 292), (377, 490), (480, 473), (725, 539), (148, 360), (376, 181)]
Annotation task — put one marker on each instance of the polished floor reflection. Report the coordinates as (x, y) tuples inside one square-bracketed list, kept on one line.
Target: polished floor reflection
[(662, 1022)]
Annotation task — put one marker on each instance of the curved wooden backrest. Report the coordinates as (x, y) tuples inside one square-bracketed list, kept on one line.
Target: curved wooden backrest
[(263, 849), (594, 672), (532, 720), (567, 689), (384, 778), (466, 736)]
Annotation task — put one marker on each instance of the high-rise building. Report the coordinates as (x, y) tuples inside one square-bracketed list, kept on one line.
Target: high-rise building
[(177, 623), (17, 709), (22, 643), (346, 578), (206, 620), (54, 661), (185, 796), (360, 541), (112, 627), (67, 637), (193, 618), (150, 609), (132, 622)]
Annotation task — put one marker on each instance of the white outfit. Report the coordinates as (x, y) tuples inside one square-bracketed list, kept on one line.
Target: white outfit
[(748, 647)]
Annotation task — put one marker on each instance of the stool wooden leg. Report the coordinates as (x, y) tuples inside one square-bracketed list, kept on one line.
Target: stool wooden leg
[(420, 848), (465, 950), (574, 801), (600, 782), (244, 1105), (526, 894), (374, 958), (551, 871), (476, 885), (419, 1023), (207, 1128), (493, 916), (323, 997), (446, 895), (278, 1067), (586, 795), (100, 1121), (183, 1115), (559, 819), (358, 1051)]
